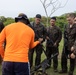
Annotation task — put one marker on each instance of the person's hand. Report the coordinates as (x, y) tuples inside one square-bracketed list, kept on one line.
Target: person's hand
[(40, 40), (55, 44), (72, 48), (47, 37), (72, 56)]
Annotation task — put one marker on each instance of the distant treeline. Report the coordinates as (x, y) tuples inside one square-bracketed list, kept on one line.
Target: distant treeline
[(61, 20)]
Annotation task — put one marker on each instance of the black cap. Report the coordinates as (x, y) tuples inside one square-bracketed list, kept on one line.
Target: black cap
[(22, 16), (38, 16), (53, 18)]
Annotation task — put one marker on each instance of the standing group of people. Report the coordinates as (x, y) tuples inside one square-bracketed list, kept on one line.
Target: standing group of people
[(53, 36), (69, 49), (23, 38)]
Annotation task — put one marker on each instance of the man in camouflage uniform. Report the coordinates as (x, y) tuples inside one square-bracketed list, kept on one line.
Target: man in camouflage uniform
[(71, 41), (53, 38), (40, 32), (65, 53)]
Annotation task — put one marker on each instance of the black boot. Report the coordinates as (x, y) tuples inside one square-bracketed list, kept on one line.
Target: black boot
[(70, 73), (55, 70), (62, 71)]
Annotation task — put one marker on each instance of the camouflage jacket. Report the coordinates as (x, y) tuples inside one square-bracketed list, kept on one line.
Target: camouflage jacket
[(40, 30), (70, 34), (55, 34)]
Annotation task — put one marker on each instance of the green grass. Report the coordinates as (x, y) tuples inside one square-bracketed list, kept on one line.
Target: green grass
[(0, 70)]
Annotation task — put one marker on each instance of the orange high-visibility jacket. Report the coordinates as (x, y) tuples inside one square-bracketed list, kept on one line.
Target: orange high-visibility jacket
[(19, 38)]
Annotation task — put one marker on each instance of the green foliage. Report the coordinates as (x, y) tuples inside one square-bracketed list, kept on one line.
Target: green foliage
[(61, 21), (2, 19), (44, 19), (8, 21), (31, 19)]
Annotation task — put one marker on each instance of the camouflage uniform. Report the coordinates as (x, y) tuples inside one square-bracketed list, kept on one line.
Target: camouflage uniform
[(55, 35), (40, 32), (71, 41), (65, 53)]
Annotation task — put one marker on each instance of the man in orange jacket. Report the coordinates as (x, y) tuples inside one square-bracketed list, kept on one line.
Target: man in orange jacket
[(19, 39)]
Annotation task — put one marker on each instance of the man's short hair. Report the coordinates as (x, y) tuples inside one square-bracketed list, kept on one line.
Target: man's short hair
[(53, 18), (38, 16), (70, 15)]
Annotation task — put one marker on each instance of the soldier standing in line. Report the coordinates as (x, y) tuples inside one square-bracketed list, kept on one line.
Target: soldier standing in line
[(65, 53), (75, 23), (40, 32), (71, 44), (54, 36)]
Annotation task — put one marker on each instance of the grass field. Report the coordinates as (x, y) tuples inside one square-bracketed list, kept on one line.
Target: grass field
[(50, 71), (0, 70)]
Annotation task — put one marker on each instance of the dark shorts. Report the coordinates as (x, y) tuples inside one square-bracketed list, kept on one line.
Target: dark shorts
[(15, 68)]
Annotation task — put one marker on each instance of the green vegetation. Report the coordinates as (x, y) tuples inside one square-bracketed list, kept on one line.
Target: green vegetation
[(0, 70)]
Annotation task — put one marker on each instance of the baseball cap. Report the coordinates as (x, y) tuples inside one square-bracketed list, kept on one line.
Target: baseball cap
[(38, 16)]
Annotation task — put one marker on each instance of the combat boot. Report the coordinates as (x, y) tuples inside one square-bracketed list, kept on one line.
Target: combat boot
[(62, 71), (70, 73)]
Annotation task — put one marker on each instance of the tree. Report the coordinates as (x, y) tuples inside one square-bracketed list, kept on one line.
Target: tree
[(2, 19), (8, 21), (51, 6)]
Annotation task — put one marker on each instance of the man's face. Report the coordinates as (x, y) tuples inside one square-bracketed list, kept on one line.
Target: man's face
[(75, 20), (70, 20), (37, 20), (52, 22)]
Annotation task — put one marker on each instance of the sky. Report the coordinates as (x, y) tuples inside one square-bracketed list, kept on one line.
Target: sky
[(11, 8)]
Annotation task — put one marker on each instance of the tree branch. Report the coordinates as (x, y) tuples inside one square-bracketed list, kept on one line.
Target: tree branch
[(55, 5)]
